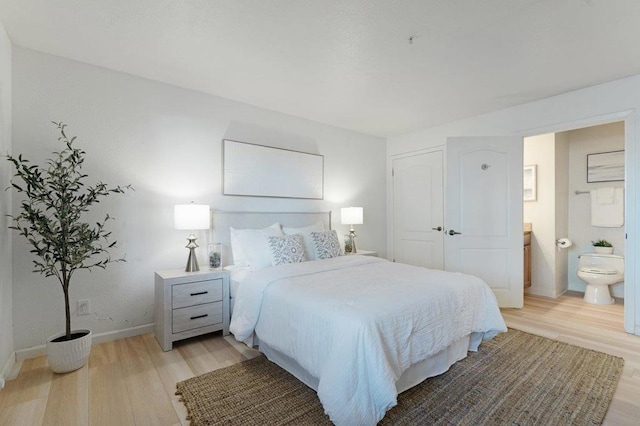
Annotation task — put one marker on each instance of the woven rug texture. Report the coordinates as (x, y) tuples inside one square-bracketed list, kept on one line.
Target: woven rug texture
[(516, 378)]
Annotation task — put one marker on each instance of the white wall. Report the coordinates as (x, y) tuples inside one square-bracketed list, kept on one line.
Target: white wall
[(166, 142), (594, 105), (6, 312), (609, 137), (540, 150), (549, 213)]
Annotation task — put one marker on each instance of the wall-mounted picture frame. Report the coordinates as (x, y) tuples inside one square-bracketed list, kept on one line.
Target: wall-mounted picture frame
[(605, 166), (529, 185), (265, 171)]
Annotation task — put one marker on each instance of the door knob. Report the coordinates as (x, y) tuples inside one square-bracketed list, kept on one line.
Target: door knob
[(439, 228), (452, 232)]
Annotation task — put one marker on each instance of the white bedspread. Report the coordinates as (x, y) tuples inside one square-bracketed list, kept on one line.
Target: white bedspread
[(357, 323)]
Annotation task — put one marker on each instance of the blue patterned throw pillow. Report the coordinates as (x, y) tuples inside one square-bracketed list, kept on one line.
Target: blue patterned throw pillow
[(286, 249), (326, 244)]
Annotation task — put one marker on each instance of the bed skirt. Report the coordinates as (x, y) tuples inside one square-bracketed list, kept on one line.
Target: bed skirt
[(430, 367)]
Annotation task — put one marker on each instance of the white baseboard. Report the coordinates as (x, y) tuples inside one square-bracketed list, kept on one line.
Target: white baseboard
[(122, 334), (36, 351), (6, 369)]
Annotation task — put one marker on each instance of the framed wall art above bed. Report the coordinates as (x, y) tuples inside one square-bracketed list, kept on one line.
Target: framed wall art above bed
[(264, 171)]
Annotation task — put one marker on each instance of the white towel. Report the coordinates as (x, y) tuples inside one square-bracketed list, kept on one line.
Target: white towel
[(605, 195), (608, 215)]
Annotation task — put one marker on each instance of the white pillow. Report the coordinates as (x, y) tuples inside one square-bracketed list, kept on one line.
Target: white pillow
[(286, 249), (307, 241), (240, 256), (254, 244), (326, 244)]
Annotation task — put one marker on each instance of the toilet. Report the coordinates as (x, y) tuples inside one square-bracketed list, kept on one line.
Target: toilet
[(600, 271)]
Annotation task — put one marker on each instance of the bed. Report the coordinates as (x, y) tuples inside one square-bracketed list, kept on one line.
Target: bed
[(357, 329)]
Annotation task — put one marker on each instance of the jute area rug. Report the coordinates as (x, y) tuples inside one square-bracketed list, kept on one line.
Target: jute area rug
[(515, 378)]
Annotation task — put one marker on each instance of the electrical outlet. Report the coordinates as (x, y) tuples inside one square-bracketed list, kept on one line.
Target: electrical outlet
[(84, 307)]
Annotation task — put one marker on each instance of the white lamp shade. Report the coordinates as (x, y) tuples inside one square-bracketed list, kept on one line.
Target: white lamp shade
[(191, 216), (351, 215)]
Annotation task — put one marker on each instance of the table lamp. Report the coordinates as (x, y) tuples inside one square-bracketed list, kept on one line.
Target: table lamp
[(351, 216), (191, 217)]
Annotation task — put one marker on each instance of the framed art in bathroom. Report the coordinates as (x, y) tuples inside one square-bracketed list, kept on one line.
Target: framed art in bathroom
[(605, 166), (529, 192)]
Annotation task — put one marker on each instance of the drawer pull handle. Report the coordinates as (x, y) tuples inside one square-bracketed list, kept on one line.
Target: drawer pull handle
[(199, 293), (199, 316)]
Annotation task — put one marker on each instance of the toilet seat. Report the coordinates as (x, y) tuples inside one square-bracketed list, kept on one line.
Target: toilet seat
[(598, 271)]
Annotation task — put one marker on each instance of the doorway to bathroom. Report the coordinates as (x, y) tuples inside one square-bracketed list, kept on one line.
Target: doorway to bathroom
[(561, 171)]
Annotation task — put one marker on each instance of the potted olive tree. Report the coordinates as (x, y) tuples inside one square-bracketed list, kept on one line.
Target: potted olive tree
[(50, 217)]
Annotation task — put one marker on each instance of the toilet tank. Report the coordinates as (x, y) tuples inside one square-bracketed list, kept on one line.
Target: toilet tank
[(603, 260)]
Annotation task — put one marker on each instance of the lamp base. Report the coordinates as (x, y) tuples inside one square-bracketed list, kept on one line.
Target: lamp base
[(352, 234), (192, 261)]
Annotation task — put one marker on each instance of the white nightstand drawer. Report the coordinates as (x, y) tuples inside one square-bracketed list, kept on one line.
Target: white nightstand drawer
[(197, 316), (190, 304), (196, 293)]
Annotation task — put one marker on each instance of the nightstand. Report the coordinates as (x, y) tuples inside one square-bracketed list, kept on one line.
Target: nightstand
[(366, 253), (190, 304)]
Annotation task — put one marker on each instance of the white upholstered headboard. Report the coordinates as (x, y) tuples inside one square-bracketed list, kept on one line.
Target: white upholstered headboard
[(222, 220)]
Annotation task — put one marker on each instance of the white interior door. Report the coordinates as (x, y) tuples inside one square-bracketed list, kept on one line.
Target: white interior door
[(483, 205), (418, 209)]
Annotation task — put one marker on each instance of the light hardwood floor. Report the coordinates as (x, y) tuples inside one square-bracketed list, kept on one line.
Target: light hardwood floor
[(132, 382)]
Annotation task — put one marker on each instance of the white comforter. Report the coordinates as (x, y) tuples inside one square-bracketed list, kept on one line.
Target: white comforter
[(357, 323)]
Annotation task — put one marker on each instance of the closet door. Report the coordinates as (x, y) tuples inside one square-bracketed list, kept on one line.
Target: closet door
[(418, 210)]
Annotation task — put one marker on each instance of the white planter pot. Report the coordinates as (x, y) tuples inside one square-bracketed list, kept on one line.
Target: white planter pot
[(69, 355), (603, 250)]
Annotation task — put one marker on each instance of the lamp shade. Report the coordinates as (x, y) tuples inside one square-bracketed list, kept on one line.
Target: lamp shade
[(351, 215), (191, 216)]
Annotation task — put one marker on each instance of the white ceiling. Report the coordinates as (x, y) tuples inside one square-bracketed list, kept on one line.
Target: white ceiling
[(347, 63)]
